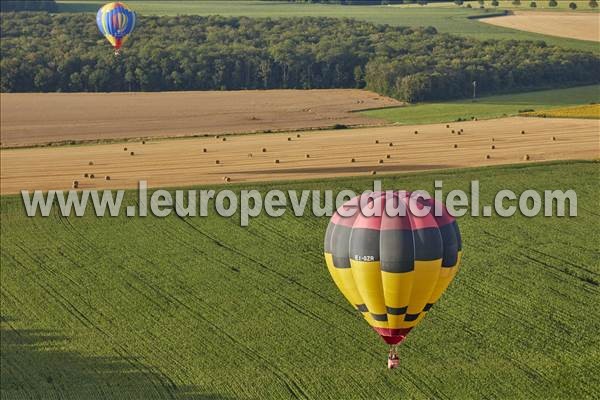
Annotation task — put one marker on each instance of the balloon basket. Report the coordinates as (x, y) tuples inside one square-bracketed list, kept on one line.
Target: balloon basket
[(393, 360)]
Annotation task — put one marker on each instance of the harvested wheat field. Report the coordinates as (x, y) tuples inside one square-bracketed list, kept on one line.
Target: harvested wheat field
[(42, 118), (582, 26), (267, 157)]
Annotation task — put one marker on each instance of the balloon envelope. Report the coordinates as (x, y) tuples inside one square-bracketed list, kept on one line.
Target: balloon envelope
[(115, 21), (392, 269)]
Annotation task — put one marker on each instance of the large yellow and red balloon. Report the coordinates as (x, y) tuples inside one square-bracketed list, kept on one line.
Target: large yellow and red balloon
[(392, 269), (115, 21)]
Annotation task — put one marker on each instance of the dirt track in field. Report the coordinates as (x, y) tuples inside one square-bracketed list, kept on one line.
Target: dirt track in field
[(582, 26), (182, 162), (41, 118)]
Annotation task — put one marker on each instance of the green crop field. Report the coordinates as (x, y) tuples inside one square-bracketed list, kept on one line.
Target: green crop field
[(449, 19), (200, 308), (488, 107)]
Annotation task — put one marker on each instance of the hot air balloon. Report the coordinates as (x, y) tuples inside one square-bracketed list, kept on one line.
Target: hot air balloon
[(392, 269), (115, 21)]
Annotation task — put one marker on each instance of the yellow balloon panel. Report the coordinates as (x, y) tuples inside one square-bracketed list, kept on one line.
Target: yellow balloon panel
[(447, 274), (344, 281), (426, 274), (393, 300), (396, 288), (367, 277)]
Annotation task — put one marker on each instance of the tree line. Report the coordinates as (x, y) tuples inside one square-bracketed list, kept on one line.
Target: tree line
[(40, 52)]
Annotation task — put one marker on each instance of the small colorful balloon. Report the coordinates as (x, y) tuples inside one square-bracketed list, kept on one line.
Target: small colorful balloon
[(116, 21)]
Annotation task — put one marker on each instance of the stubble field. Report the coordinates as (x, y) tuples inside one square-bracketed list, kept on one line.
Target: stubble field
[(313, 155), (41, 118), (581, 26)]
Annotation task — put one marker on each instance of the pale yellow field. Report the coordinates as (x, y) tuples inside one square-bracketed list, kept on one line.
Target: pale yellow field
[(582, 26), (588, 111), (182, 162)]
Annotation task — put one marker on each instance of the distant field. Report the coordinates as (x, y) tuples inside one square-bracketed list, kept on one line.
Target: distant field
[(449, 19), (566, 24), (241, 158), (199, 308), (488, 107), (591, 111), (41, 118), (562, 5)]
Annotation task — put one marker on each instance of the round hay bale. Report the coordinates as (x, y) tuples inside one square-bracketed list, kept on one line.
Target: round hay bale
[(91, 163), (289, 139), (276, 161), (107, 178), (86, 175), (143, 142), (461, 130), (391, 144), (380, 161), (249, 155), (92, 176), (264, 149), (227, 179), (416, 132), (307, 156), (455, 146), (298, 135), (205, 150), (554, 138), (75, 184), (447, 126), (352, 160), (522, 132), (132, 154), (377, 142), (459, 133), (453, 131), (493, 140), (526, 157), (487, 156), (493, 147), (388, 156), (217, 162), (217, 136), (124, 148), (373, 172), (224, 139)]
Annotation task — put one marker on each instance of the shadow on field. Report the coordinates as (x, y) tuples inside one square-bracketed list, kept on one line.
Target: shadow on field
[(34, 364)]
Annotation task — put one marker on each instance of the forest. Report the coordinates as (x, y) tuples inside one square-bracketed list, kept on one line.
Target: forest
[(41, 52)]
